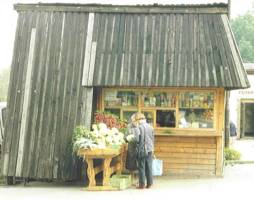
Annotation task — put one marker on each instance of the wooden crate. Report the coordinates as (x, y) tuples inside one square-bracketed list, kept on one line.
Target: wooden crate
[(120, 181)]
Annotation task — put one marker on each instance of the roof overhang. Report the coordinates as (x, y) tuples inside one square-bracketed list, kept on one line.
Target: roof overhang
[(155, 8), (153, 45)]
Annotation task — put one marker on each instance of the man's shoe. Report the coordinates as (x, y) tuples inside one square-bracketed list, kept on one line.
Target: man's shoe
[(148, 186), (140, 187)]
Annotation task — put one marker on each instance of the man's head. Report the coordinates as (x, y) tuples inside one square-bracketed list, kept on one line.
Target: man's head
[(140, 117)]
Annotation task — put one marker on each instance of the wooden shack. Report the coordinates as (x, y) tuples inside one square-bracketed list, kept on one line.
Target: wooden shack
[(173, 62)]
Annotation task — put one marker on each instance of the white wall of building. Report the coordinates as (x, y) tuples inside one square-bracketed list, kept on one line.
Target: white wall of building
[(236, 96)]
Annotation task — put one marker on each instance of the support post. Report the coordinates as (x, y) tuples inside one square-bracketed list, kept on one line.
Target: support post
[(227, 130)]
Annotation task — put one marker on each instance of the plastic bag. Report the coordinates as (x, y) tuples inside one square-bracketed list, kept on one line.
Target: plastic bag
[(157, 167)]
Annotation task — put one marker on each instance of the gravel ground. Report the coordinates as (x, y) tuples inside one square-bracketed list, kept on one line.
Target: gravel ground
[(245, 147), (236, 184)]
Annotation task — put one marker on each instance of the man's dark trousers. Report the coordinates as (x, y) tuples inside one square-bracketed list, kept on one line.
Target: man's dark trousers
[(145, 170)]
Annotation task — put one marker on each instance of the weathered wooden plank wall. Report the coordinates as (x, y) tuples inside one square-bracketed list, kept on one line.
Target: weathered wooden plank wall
[(51, 100)]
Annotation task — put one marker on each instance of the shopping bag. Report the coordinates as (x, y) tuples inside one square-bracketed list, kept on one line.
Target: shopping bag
[(157, 167)]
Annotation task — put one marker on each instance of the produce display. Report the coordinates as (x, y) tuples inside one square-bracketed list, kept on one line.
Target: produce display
[(110, 120), (208, 115), (101, 137)]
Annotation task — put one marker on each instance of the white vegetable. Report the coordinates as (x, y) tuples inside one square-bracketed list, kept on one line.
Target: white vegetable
[(100, 137)]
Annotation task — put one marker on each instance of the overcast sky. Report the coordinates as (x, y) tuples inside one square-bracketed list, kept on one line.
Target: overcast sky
[(8, 17)]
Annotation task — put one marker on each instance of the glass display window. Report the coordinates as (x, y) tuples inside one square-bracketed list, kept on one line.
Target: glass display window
[(196, 110), (196, 100), (127, 115), (164, 108), (196, 118), (158, 99), (166, 118), (115, 98), (149, 116), (114, 111)]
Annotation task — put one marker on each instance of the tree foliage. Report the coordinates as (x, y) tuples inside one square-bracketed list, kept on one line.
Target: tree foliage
[(243, 28), (4, 82)]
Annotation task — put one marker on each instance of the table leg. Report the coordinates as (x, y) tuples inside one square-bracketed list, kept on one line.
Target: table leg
[(90, 172), (119, 165), (106, 171), (124, 155)]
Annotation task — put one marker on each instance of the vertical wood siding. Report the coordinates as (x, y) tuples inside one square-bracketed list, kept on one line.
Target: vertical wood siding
[(26, 104), (57, 99)]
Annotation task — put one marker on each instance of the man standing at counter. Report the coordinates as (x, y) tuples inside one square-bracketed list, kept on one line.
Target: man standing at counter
[(144, 136)]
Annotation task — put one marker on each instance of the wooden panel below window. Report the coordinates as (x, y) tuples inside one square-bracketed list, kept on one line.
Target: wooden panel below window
[(187, 156)]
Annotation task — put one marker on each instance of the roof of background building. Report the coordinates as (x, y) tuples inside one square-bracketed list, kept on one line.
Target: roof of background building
[(249, 67)]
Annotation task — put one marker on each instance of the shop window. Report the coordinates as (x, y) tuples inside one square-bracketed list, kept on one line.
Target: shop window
[(113, 111), (196, 110), (127, 115), (165, 118), (158, 99), (162, 108), (149, 117), (120, 98)]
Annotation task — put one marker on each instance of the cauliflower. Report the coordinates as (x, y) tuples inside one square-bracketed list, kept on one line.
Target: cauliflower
[(94, 127), (100, 137), (115, 130), (102, 126)]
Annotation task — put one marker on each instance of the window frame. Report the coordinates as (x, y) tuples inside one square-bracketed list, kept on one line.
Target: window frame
[(153, 109)]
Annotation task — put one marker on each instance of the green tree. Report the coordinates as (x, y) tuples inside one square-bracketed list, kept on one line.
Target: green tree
[(243, 28), (4, 82)]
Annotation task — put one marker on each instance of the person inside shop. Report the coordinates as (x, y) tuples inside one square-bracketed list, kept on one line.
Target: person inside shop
[(182, 122), (131, 159), (144, 136)]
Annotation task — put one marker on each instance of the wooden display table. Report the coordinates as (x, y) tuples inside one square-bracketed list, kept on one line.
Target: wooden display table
[(107, 166)]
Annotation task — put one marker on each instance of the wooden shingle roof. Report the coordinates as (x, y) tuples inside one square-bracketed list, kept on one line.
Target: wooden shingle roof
[(173, 46)]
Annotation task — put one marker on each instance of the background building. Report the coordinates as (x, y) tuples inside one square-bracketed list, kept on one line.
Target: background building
[(242, 106)]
